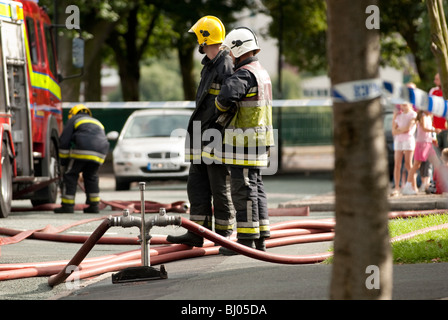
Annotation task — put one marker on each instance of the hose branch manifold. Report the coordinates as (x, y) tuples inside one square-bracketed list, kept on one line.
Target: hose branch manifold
[(140, 273), (145, 272)]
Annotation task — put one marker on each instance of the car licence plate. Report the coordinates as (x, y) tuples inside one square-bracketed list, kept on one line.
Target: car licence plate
[(159, 166)]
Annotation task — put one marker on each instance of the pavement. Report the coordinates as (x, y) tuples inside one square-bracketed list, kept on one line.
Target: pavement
[(240, 281), (419, 202)]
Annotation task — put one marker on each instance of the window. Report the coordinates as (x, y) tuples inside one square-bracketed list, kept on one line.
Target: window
[(40, 36), (32, 40), (50, 50)]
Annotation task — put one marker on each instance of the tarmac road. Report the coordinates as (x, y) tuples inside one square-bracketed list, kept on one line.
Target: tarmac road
[(280, 189), (216, 279)]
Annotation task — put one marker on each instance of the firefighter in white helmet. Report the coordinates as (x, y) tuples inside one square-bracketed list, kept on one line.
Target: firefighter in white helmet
[(208, 182), (83, 146), (247, 97)]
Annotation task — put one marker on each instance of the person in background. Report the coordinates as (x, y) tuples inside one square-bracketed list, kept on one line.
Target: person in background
[(440, 177), (439, 123), (423, 149), (83, 146), (403, 130)]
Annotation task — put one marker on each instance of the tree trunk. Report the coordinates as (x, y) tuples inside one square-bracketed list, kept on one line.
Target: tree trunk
[(99, 29), (130, 81), (69, 88), (362, 267), (186, 68), (92, 80), (439, 36)]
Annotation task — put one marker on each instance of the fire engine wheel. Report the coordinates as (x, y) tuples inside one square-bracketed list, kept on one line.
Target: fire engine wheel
[(52, 170), (6, 183)]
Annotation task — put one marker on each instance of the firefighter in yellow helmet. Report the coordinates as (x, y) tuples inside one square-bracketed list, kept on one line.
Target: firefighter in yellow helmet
[(79, 108), (208, 182), (83, 146), (209, 31)]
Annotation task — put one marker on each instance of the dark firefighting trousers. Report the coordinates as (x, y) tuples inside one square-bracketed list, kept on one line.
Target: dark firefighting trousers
[(250, 201), (89, 172), (209, 194)]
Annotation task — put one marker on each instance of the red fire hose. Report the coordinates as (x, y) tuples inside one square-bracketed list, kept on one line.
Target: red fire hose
[(187, 252), (82, 253), (283, 233)]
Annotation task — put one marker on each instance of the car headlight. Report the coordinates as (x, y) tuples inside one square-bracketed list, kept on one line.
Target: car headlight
[(131, 155)]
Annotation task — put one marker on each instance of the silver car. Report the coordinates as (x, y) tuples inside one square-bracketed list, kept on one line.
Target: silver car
[(151, 146)]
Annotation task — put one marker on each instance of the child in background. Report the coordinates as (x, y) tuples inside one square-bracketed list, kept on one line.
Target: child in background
[(423, 149), (403, 130), (440, 177)]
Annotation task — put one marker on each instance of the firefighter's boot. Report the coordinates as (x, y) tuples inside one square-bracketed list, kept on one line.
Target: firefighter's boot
[(229, 252), (260, 244), (65, 208), (92, 208), (189, 238)]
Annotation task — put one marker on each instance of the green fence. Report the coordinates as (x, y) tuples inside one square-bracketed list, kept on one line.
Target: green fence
[(308, 126), (299, 122)]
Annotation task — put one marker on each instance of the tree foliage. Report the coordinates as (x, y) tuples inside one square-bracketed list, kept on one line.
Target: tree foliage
[(303, 26), (128, 33)]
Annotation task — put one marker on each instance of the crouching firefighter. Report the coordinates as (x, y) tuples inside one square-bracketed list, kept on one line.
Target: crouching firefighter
[(248, 137), (83, 146)]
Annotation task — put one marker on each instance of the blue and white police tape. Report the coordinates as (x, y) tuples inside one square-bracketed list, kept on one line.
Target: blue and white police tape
[(355, 91), (394, 92), (400, 93)]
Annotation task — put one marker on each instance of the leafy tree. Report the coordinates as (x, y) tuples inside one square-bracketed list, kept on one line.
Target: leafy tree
[(414, 28), (184, 14), (135, 30), (439, 38), (140, 31), (300, 26), (97, 20)]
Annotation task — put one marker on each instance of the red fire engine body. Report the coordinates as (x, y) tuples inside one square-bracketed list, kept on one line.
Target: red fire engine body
[(30, 105)]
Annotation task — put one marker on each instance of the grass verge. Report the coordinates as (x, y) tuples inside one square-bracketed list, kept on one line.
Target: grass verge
[(425, 248)]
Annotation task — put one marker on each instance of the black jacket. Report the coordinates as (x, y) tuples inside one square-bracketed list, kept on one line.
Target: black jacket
[(213, 75), (83, 138), (236, 88)]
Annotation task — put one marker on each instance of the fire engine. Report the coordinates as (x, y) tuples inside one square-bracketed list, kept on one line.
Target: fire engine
[(30, 105)]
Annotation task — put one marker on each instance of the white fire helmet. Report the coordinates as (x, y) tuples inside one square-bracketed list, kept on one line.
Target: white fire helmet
[(240, 41)]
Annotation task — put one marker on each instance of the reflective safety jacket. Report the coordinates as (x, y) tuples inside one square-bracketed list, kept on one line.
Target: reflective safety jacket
[(204, 116), (83, 138), (247, 96)]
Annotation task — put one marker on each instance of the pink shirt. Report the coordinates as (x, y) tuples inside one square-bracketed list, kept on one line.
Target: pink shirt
[(423, 136), (402, 120)]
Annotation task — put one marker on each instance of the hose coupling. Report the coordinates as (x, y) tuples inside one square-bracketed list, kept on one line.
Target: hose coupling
[(163, 220), (126, 220)]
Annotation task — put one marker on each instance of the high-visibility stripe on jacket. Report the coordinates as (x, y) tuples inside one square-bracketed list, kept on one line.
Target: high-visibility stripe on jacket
[(213, 74), (83, 138), (249, 135)]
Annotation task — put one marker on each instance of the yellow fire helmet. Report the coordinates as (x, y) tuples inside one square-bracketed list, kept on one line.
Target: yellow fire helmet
[(209, 30), (77, 109)]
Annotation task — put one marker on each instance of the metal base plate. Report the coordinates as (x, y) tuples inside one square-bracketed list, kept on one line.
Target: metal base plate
[(143, 273)]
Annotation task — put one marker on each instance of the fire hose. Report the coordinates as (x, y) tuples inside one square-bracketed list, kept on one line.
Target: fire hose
[(290, 232), (127, 221), (283, 233)]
